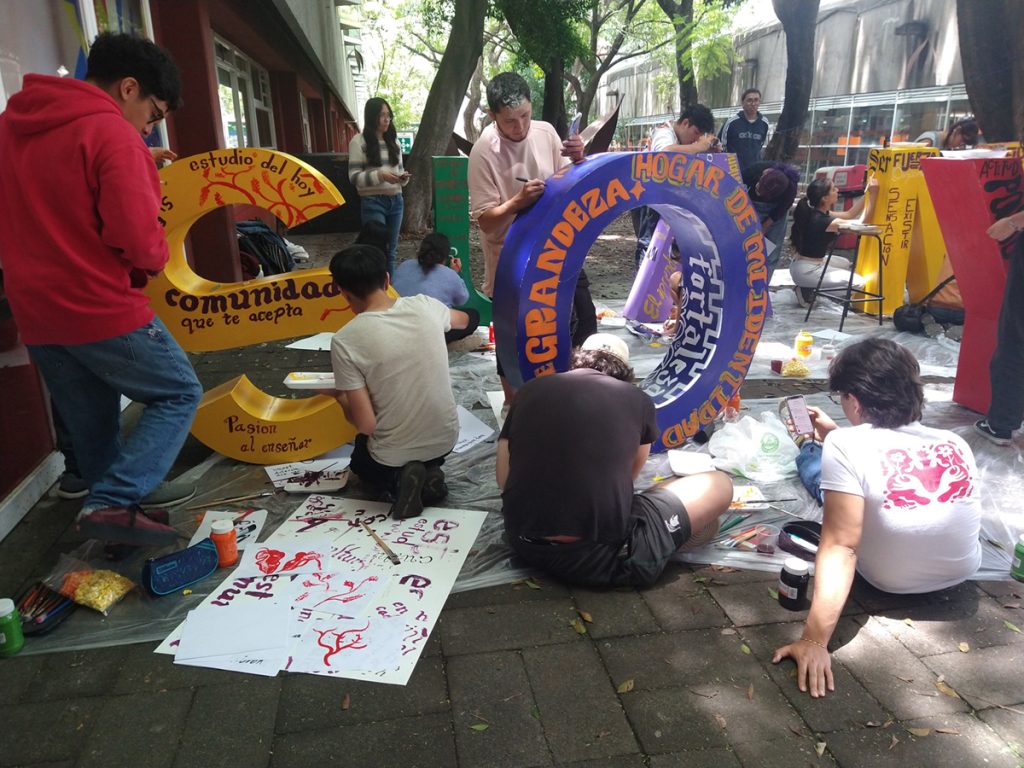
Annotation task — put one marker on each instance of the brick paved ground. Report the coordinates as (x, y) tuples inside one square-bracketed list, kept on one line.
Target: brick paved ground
[(677, 675)]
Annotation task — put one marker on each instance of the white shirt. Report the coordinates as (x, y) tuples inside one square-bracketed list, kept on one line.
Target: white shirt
[(921, 503), (399, 355)]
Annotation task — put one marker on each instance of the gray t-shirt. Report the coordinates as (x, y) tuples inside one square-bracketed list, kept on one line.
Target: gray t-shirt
[(399, 355)]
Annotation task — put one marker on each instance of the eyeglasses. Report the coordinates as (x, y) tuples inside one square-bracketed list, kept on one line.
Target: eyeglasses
[(157, 115), (836, 397)]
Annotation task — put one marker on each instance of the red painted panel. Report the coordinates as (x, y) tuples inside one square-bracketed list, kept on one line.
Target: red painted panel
[(969, 195)]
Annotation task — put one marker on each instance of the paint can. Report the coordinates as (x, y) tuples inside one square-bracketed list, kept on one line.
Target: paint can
[(226, 541), (793, 583), (1017, 567), (11, 637)]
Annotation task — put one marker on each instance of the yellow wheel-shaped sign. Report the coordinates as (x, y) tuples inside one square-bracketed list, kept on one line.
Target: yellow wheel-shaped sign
[(236, 418)]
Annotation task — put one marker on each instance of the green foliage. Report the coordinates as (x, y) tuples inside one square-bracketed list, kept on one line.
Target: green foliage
[(708, 38)]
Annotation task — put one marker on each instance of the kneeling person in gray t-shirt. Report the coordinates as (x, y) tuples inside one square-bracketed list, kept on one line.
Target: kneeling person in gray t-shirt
[(391, 371)]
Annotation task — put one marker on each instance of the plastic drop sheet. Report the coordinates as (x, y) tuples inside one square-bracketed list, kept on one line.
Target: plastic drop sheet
[(140, 618)]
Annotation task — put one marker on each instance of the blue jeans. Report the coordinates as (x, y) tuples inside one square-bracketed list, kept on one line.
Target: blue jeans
[(808, 466), (87, 381), (776, 233), (388, 210)]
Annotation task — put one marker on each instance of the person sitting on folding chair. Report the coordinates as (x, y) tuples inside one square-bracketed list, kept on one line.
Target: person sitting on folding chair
[(814, 228)]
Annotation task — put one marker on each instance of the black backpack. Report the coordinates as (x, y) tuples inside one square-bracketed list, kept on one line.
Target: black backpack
[(268, 247), (910, 317)]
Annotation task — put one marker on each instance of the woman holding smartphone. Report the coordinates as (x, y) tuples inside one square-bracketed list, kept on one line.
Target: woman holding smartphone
[(375, 170)]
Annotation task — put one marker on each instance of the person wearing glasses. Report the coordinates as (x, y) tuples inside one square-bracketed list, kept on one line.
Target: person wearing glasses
[(79, 238), (902, 500)]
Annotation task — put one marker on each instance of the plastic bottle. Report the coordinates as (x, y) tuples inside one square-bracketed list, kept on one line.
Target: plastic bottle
[(490, 333), (793, 584), (732, 408), (1017, 568), (828, 351), (11, 637), (224, 538), (803, 345)]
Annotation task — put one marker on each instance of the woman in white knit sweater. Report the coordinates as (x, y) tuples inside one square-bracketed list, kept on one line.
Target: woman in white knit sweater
[(375, 170)]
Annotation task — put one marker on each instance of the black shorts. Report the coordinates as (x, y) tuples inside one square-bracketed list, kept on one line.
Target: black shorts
[(658, 526)]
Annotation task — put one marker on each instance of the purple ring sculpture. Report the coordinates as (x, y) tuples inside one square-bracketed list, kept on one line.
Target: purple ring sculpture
[(722, 260)]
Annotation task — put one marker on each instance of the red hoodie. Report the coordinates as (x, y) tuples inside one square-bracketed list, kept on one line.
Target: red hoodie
[(79, 200)]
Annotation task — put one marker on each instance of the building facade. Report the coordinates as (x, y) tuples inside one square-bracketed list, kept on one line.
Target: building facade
[(884, 69)]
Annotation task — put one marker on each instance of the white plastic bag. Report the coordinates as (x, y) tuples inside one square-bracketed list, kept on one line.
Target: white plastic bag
[(759, 449)]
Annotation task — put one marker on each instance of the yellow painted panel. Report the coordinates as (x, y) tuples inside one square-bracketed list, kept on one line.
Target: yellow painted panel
[(912, 245), (236, 418)]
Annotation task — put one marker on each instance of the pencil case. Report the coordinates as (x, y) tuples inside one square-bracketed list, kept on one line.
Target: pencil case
[(164, 575), (807, 531), (37, 594)]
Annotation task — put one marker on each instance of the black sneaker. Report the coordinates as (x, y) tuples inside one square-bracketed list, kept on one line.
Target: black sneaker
[(435, 489), (409, 493), (997, 436)]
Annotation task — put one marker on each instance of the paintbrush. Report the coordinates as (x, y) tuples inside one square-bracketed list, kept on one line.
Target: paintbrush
[(380, 543), (230, 500)]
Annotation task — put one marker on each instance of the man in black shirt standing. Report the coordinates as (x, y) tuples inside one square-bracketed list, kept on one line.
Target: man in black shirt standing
[(745, 132), (568, 454)]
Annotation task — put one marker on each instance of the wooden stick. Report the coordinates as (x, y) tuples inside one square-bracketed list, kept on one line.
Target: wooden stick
[(380, 543), (211, 502)]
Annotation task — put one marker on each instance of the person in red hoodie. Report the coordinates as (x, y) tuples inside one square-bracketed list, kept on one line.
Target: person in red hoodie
[(78, 239)]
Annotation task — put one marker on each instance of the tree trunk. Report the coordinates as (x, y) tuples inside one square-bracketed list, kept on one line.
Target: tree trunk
[(799, 22), (680, 14), (554, 95), (991, 51), (473, 102), (465, 44)]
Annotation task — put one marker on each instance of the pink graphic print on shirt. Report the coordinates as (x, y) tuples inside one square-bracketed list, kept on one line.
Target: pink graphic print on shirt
[(936, 472)]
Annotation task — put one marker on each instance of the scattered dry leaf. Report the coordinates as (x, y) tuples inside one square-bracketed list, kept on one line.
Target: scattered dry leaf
[(1012, 627), (819, 748), (585, 615), (720, 720), (750, 692), (479, 727), (905, 679), (945, 689), (922, 732), (951, 731), (728, 631), (1011, 605), (579, 626), (964, 647), (346, 701), (700, 579), (796, 731), (774, 595), (745, 648), (626, 686), (909, 622), (894, 741), (872, 724), (532, 583), (724, 569)]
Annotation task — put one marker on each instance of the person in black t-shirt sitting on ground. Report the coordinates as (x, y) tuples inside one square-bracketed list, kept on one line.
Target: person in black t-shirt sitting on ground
[(814, 228), (568, 454)]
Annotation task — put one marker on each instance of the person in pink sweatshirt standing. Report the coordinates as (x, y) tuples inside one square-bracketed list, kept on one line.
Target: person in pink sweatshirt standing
[(79, 238)]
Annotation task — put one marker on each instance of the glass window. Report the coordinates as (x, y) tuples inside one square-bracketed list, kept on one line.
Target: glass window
[(245, 107), (119, 16), (914, 119)]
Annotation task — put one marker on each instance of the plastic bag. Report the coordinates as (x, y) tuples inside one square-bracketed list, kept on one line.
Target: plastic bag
[(760, 449), (88, 586)]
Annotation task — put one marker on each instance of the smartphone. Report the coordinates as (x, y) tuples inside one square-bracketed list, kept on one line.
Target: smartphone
[(799, 415), (574, 128)]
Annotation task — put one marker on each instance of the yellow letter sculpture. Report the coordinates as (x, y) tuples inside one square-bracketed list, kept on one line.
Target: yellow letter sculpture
[(236, 418)]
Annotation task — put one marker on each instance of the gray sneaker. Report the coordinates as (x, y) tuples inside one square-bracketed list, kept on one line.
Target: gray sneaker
[(168, 494), (72, 487)]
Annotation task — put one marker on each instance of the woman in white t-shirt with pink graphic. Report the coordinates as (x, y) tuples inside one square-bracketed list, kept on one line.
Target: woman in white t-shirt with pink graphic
[(901, 499)]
